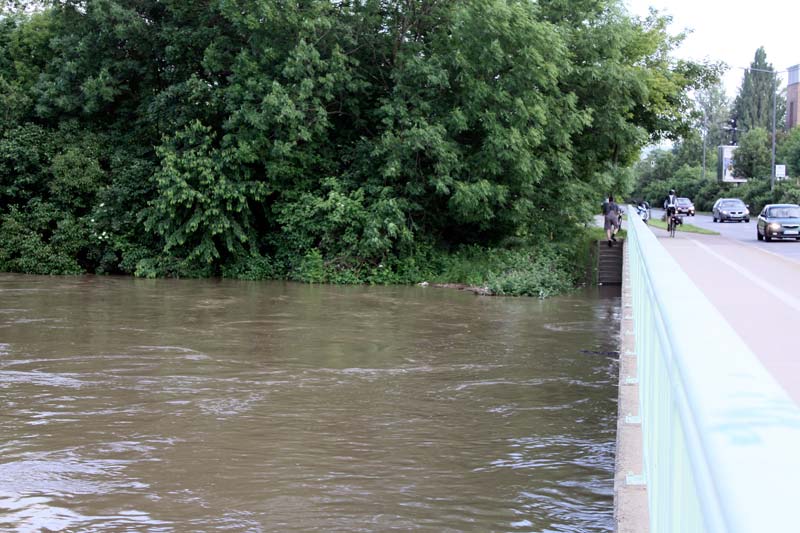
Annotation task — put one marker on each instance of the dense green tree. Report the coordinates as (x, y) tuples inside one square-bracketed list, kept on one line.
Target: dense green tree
[(753, 155), (714, 110), (243, 137), (661, 171), (754, 102), (789, 153), (201, 205)]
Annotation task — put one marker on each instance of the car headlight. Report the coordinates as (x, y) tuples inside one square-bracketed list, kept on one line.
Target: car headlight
[(774, 226), (724, 212)]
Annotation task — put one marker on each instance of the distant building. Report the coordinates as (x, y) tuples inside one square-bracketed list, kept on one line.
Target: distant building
[(793, 98)]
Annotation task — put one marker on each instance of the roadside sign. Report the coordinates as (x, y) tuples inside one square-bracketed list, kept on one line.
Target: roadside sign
[(780, 171), (725, 162)]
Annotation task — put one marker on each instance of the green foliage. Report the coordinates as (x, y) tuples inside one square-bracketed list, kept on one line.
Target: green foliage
[(715, 111), (789, 153), (787, 192), (311, 268), (200, 210), (37, 241), (76, 179), (530, 275), (709, 193), (251, 268), (539, 271), (681, 167), (340, 223), (753, 155), (753, 106), (165, 265), (757, 193), (379, 142), (665, 170)]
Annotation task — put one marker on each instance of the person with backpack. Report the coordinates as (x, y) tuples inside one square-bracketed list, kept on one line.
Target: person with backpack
[(671, 203), (612, 215)]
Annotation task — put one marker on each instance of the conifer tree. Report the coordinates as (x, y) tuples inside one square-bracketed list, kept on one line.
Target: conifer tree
[(753, 105)]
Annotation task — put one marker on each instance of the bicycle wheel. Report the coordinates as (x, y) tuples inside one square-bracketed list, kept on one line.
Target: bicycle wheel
[(672, 230)]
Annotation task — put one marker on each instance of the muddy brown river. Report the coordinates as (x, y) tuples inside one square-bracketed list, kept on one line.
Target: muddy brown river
[(185, 405)]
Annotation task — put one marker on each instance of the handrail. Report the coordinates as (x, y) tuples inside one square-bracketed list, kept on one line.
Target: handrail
[(721, 438)]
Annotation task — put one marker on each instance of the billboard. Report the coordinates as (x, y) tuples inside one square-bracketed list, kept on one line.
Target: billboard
[(725, 165)]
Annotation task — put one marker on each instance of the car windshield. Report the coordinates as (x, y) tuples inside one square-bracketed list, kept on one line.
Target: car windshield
[(784, 212), (732, 205), (684, 201)]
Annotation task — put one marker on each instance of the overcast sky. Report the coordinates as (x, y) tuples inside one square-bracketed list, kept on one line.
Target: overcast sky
[(731, 31)]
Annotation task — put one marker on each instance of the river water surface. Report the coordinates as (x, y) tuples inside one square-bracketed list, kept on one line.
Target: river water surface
[(182, 405)]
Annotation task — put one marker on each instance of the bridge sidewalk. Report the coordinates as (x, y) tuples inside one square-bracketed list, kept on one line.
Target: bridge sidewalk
[(756, 291)]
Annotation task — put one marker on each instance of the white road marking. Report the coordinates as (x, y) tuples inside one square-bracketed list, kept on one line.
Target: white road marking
[(776, 254), (791, 301)]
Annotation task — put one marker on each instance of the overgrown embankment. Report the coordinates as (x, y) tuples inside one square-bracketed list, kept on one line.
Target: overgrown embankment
[(540, 271), (342, 142)]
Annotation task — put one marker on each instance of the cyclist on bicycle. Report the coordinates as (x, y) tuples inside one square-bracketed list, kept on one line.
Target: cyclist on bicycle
[(670, 207), (671, 203)]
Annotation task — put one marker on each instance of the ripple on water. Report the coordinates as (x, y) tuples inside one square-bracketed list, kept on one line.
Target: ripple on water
[(226, 407), (42, 513), (360, 417), (45, 379), (576, 326), (63, 473), (158, 348), (35, 321)]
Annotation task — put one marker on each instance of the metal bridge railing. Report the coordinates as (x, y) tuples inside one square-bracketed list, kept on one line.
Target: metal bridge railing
[(721, 438)]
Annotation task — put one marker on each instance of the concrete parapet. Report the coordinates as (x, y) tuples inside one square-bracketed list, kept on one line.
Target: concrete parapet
[(630, 491)]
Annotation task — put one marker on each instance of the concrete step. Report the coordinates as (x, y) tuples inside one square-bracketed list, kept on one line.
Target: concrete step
[(609, 262)]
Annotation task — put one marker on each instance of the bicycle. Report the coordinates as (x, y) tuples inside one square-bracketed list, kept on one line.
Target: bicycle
[(672, 225)]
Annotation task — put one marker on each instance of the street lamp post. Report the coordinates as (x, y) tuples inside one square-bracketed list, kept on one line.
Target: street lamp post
[(705, 137), (774, 106)]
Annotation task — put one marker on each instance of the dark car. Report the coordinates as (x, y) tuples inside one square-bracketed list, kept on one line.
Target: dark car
[(730, 209), (779, 221), (684, 206)]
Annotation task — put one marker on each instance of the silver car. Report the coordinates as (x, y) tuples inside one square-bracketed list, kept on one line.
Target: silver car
[(733, 209), (779, 221)]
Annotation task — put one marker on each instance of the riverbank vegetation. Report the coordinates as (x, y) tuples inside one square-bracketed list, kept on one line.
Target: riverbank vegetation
[(377, 141)]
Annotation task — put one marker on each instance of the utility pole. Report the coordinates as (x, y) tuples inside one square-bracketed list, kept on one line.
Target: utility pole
[(774, 106), (705, 135)]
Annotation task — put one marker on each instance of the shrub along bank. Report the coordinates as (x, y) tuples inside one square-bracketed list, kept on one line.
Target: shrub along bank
[(344, 142)]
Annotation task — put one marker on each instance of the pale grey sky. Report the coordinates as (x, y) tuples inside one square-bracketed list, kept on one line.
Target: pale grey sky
[(732, 30)]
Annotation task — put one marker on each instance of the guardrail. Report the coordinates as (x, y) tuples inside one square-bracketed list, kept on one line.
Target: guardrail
[(721, 438)]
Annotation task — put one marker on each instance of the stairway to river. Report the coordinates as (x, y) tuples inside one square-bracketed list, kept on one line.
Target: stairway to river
[(609, 262)]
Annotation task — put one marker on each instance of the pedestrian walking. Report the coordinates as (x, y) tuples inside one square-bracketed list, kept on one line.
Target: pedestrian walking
[(612, 215)]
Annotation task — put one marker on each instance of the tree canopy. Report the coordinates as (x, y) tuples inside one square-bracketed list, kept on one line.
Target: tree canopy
[(170, 137), (758, 93)]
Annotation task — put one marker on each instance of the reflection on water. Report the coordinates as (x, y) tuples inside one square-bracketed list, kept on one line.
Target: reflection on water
[(168, 405)]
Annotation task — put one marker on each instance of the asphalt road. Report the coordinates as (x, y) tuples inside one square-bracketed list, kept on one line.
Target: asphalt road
[(753, 285), (743, 232)]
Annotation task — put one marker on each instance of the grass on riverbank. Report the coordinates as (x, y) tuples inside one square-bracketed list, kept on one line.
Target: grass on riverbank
[(539, 269), (685, 228)]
